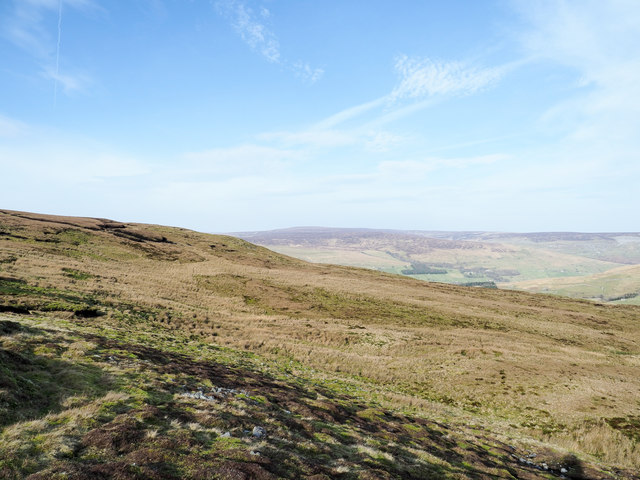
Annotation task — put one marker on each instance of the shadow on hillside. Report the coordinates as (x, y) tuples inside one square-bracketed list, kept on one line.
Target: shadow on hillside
[(574, 467), (35, 384), (335, 424)]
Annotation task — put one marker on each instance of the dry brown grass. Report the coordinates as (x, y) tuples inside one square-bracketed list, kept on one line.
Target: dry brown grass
[(601, 441), (549, 367)]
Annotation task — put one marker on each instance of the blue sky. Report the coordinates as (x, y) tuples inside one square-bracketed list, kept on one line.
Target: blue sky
[(238, 115)]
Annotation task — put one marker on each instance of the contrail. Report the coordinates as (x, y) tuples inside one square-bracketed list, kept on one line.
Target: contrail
[(55, 80)]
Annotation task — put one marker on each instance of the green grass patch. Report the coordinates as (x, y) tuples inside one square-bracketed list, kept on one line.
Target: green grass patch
[(76, 274)]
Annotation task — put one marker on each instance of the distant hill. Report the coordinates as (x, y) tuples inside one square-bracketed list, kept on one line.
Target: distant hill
[(619, 285), (133, 351), (621, 247), (505, 260)]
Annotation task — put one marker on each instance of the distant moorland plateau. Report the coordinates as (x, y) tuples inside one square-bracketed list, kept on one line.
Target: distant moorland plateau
[(599, 266), (145, 352)]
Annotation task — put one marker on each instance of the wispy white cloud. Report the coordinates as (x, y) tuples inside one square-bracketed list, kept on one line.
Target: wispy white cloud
[(65, 166), (350, 113), (359, 166), (598, 42), (72, 177), (252, 26), (10, 127), (424, 77), (422, 83), (238, 161), (311, 137), (70, 82), (371, 140), (53, 4), (587, 34), (415, 170), (26, 27), (307, 73), (395, 111), (381, 141), (37, 155)]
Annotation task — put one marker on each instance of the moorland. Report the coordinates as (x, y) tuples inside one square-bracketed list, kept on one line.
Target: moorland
[(136, 351), (596, 266)]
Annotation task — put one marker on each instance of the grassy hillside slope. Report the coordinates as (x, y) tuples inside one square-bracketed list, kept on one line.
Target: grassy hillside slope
[(619, 285), (455, 257), (131, 314)]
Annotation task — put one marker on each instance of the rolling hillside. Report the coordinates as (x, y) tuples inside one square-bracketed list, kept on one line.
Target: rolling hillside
[(142, 351), (619, 285), (505, 260), (621, 247)]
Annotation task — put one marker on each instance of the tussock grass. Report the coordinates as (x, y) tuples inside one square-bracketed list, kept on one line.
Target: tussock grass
[(531, 366), (149, 427), (601, 441)]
